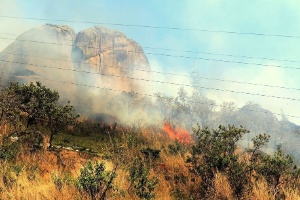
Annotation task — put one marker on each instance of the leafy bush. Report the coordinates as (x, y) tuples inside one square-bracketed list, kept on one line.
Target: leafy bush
[(139, 176), (95, 181), (215, 151), (37, 105), (9, 152), (176, 148), (278, 170), (60, 181)]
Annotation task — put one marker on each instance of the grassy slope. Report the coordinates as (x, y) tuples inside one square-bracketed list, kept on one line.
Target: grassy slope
[(52, 175)]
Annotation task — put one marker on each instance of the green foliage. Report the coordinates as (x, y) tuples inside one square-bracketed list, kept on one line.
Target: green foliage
[(60, 117), (9, 111), (95, 180), (176, 148), (61, 181), (217, 147), (258, 142), (36, 104), (279, 169), (35, 100), (30, 140), (133, 139), (9, 151), (239, 178), (139, 177), (215, 152)]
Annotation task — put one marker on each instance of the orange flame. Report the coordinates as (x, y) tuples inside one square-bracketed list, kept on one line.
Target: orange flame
[(182, 136)]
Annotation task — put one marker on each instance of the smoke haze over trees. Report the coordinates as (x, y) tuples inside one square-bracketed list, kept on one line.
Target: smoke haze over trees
[(104, 74)]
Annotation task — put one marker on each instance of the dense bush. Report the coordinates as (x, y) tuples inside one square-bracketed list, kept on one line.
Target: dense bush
[(216, 152), (9, 152), (278, 170), (139, 177), (35, 104), (33, 113), (95, 180)]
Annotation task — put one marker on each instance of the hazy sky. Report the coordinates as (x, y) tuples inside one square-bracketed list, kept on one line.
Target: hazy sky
[(256, 16)]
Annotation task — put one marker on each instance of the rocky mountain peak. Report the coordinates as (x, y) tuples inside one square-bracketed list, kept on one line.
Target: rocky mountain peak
[(110, 53), (55, 53)]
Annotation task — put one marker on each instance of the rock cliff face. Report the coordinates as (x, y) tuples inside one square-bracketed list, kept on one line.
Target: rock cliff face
[(40, 54), (119, 60), (55, 55)]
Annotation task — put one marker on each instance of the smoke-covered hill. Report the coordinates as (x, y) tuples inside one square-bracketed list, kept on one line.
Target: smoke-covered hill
[(56, 55), (94, 67)]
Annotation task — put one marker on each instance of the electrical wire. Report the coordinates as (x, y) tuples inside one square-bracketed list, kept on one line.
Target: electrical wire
[(200, 52), (155, 81), (150, 95), (155, 27), (174, 56), (159, 72)]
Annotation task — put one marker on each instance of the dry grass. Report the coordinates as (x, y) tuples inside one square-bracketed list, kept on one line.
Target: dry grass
[(31, 176), (25, 186), (291, 194), (222, 187), (260, 191)]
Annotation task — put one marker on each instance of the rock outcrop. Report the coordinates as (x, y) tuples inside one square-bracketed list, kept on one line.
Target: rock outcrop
[(59, 58), (119, 60), (41, 54)]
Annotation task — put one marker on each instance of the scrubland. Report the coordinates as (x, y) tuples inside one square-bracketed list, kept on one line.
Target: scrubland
[(48, 152)]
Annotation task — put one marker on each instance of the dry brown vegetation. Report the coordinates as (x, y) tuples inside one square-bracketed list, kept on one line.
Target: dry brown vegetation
[(53, 174), (47, 154)]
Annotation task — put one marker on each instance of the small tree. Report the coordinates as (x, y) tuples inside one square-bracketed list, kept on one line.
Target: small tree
[(58, 118), (37, 105), (35, 101), (95, 181)]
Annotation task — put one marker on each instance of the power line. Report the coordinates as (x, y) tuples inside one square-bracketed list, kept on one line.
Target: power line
[(221, 60), (173, 56), (200, 52), (150, 95), (166, 73), (161, 82), (156, 27), (221, 54)]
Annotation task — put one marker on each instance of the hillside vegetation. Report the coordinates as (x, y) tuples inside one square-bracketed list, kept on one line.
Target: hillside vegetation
[(49, 152)]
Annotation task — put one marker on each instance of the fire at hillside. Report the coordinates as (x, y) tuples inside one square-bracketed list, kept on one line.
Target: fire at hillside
[(183, 136)]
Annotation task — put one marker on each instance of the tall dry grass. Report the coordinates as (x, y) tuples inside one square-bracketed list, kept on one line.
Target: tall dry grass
[(52, 174)]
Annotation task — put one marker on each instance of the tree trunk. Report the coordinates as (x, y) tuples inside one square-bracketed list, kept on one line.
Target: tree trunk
[(47, 140)]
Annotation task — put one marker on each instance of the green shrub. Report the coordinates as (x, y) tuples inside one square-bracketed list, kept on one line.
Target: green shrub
[(278, 170), (139, 177), (215, 151), (95, 181), (176, 148), (60, 181), (9, 152)]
